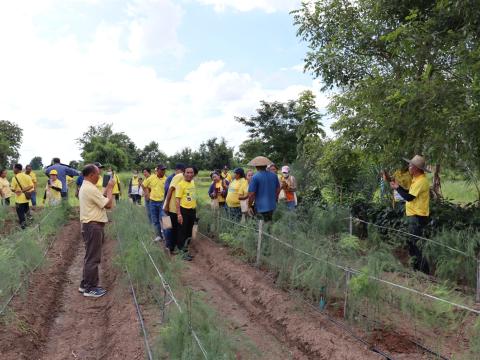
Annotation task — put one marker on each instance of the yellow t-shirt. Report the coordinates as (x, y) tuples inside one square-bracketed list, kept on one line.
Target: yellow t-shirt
[(70, 180), (156, 186), (172, 206), (403, 178), (219, 187), (116, 187), (100, 184), (187, 193), (25, 182), (33, 176), (92, 203), (227, 176), (236, 189), (420, 188), (5, 191), (55, 196)]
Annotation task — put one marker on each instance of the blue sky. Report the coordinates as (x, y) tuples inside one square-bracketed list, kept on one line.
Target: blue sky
[(163, 70)]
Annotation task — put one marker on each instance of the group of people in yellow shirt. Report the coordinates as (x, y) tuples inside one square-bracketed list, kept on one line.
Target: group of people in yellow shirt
[(171, 202), (24, 186)]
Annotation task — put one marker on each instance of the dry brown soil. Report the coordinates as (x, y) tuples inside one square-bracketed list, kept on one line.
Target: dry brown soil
[(278, 325), (53, 321)]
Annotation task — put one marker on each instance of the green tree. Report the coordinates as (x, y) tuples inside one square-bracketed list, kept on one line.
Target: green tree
[(249, 149), (10, 141), (151, 156), (184, 156), (100, 143), (107, 153), (74, 164), (36, 163), (276, 125), (407, 75), (214, 154)]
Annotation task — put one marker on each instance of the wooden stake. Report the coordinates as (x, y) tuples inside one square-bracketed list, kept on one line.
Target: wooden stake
[(259, 242)]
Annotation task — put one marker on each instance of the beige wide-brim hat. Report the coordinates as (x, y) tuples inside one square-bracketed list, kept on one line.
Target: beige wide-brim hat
[(419, 162), (260, 161)]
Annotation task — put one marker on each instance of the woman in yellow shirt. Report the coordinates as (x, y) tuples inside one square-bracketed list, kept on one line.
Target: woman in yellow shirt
[(53, 189), (218, 189), (5, 192), (237, 191), (186, 205)]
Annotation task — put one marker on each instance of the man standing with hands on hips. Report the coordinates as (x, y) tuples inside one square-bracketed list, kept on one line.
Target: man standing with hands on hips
[(93, 217)]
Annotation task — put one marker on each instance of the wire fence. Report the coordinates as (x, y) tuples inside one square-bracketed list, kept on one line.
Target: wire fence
[(24, 279), (413, 304), (347, 269)]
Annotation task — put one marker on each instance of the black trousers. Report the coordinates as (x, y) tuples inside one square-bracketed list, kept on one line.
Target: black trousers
[(173, 239), (136, 198), (22, 211), (265, 216), (416, 226), (93, 237), (189, 217)]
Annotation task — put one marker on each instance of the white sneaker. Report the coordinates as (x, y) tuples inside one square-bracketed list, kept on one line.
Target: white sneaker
[(158, 238)]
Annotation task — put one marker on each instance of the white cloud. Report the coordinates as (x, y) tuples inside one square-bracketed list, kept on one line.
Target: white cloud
[(55, 89), (153, 28), (268, 6)]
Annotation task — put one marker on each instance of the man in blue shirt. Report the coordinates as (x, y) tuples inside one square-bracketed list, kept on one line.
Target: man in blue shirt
[(62, 171), (263, 189)]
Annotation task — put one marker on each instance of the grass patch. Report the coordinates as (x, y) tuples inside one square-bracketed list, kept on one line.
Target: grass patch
[(175, 339)]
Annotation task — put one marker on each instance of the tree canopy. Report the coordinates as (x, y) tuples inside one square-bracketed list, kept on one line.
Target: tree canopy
[(273, 130), (10, 141), (406, 73)]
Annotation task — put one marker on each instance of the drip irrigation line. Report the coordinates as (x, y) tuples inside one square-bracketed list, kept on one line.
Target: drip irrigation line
[(358, 272), (416, 236), (344, 327), (423, 347), (170, 293), (17, 289), (137, 306), (347, 329)]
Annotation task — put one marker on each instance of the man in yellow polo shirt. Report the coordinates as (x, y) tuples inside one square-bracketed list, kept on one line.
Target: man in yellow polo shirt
[(31, 173), (170, 207), (21, 185), (154, 187), (417, 208), (93, 218), (186, 205)]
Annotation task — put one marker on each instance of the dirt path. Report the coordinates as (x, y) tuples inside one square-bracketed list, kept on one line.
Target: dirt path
[(54, 321), (280, 327)]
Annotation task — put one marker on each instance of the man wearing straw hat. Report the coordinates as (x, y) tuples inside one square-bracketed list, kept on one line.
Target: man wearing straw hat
[(417, 208), (263, 189)]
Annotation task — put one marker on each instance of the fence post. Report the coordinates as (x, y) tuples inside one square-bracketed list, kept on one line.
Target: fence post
[(351, 224), (347, 281), (259, 242), (477, 298)]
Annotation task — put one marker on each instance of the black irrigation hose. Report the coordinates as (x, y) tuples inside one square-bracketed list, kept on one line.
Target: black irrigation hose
[(26, 277), (345, 328), (423, 347), (139, 311)]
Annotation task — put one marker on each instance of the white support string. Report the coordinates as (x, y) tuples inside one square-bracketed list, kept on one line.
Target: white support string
[(358, 272), (170, 293), (415, 236), (17, 289)]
